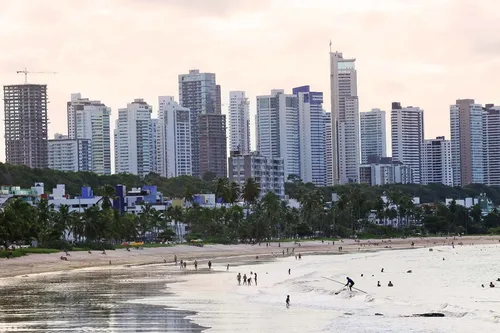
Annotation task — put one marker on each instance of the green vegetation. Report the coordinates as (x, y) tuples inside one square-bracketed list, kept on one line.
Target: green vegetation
[(254, 221)]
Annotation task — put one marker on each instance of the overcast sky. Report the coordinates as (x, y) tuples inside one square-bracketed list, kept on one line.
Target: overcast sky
[(424, 53)]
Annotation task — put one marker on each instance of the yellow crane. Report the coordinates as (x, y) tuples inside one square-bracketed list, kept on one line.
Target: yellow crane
[(25, 72)]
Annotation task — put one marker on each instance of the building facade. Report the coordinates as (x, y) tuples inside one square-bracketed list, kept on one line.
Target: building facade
[(278, 135), (133, 137), (385, 170), (407, 126), (345, 119), (173, 139), (239, 122), (268, 172), (373, 134), (213, 144), (311, 135), (200, 93), (467, 127), (70, 154), (436, 162), (492, 145), (328, 148), (26, 121), (89, 119)]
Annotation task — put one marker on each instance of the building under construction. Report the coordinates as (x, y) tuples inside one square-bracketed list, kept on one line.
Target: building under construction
[(26, 132)]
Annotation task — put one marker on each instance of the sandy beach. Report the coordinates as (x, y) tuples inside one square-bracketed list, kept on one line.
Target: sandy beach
[(218, 254)]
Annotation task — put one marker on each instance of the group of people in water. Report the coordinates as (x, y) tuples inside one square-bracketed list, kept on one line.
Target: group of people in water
[(247, 280)]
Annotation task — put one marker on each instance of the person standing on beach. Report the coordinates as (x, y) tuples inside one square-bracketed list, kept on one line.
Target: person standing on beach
[(255, 278), (195, 265), (287, 301), (349, 283), (244, 279), (227, 267), (185, 265), (249, 280), (175, 260), (209, 265), (289, 270), (238, 277)]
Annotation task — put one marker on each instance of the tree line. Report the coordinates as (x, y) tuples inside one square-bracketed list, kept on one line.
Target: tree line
[(257, 219)]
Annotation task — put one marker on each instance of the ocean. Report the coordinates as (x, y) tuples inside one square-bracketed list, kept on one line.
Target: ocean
[(163, 299)]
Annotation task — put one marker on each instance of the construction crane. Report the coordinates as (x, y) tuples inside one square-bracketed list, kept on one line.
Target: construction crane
[(25, 72)]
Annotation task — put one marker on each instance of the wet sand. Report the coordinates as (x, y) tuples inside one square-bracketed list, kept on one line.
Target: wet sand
[(218, 254), (91, 301)]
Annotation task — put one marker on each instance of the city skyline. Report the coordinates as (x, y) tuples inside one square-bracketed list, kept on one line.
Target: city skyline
[(414, 72)]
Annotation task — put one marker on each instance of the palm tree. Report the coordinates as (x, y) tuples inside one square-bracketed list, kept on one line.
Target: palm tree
[(221, 189), (251, 191), (108, 195), (189, 193), (234, 193)]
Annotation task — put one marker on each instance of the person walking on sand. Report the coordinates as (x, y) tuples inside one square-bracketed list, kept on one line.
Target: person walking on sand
[(287, 301), (209, 265), (238, 277), (227, 267), (255, 278), (349, 283), (195, 265), (244, 279), (185, 265)]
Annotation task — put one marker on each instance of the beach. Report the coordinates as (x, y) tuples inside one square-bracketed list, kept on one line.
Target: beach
[(141, 292), (44, 263)]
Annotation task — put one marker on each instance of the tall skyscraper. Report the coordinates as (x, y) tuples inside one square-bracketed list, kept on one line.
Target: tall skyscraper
[(173, 139), (26, 134), (467, 142), (492, 145), (311, 135), (277, 122), (373, 134), (436, 162), (407, 125), (133, 144), (200, 93), (328, 148), (90, 119), (239, 122), (345, 119), (213, 144)]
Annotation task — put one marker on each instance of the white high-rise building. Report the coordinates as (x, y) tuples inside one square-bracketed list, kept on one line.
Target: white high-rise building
[(69, 154), (239, 122), (467, 127), (311, 135), (89, 119), (407, 126), (328, 148), (154, 144), (277, 123), (133, 140), (174, 156), (492, 145), (373, 134), (436, 162), (345, 119)]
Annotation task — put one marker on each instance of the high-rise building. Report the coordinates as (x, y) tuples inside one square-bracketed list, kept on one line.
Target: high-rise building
[(26, 134), (267, 172), (213, 144), (467, 142), (328, 148), (407, 126), (311, 135), (69, 154), (345, 119), (436, 162), (173, 139), (373, 134), (133, 144), (277, 122), (154, 144), (492, 145), (200, 93), (239, 122), (90, 119)]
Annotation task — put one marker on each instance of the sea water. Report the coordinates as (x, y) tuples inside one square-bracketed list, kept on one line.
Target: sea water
[(446, 280)]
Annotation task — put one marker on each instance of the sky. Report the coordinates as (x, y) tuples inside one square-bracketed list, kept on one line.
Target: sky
[(425, 53)]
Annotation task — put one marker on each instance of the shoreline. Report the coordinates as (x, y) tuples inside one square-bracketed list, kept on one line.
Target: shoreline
[(218, 254)]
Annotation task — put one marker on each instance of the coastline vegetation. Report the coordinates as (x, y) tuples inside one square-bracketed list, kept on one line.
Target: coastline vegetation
[(243, 218)]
